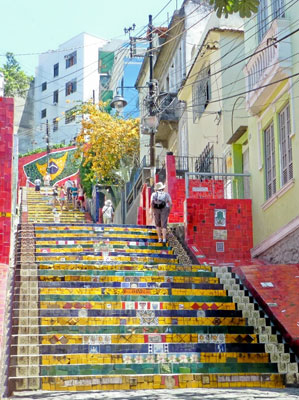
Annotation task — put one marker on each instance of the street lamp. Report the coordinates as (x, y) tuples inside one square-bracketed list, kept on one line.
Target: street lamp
[(150, 124), (118, 102)]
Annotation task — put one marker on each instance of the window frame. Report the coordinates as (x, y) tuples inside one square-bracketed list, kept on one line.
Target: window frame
[(55, 124), (70, 116), (44, 86), (270, 160), (278, 9), (55, 96), (262, 17), (70, 59), (56, 70), (43, 113), (285, 143), (70, 87), (201, 92)]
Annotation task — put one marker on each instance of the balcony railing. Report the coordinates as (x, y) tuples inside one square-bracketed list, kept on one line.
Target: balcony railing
[(198, 164), (235, 186), (169, 110), (270, 62)]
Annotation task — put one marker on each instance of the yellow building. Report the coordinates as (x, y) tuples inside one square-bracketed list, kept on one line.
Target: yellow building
[(272, 100)]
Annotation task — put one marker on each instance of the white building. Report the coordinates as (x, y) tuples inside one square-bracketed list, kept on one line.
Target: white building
[(64, 78)]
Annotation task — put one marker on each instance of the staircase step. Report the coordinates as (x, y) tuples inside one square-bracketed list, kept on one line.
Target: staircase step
[(107, 307)]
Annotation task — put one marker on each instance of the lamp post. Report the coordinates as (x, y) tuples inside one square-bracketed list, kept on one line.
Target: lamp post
[(150, 122), (48, 143), (151, 95)]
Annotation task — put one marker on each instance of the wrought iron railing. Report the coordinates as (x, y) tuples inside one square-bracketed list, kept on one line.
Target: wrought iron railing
[(198, 164)]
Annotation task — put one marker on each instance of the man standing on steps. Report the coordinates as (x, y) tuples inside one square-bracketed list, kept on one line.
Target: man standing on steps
[(160, 208), (37, 183)]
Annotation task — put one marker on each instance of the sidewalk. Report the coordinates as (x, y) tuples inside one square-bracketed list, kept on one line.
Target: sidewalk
[(183, 394)]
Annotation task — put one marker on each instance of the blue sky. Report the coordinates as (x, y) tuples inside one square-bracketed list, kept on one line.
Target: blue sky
[(35, 26)]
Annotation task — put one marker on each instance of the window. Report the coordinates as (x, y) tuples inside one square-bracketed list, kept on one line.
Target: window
[(70, 115), (70, 59), (71, 87), (44, 86), (270, 167), (56, 70), (262, 16), (55, 96), (201, 92), (44, 113), (286, 158), (278, 9), (55, 124)]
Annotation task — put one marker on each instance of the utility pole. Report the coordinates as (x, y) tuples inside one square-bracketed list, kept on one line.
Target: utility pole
[(151, 95), (48, 143)]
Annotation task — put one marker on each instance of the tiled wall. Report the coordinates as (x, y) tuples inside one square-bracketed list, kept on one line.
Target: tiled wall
[(276, 289), (176, 188), (30, 159), (6, 144), (229, 239)]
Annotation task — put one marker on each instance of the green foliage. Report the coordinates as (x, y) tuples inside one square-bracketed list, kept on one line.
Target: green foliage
[(245, 8), (16, 81), (84, 171), (41, 150)]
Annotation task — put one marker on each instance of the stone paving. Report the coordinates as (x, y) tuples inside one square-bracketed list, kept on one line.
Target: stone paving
[(183, 394)]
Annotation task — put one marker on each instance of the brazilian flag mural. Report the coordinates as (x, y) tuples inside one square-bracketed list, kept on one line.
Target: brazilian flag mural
[(61, 165)]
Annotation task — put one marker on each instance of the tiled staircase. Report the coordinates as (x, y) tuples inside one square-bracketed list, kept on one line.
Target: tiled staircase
[(108, 307), (39, 207)]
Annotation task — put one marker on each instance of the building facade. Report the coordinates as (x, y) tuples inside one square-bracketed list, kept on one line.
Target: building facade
[(173, 56), (272, 101), (64, 79), (211, 115)]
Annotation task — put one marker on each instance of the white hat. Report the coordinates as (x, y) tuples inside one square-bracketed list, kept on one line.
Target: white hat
[(108, 203), (159, 186)]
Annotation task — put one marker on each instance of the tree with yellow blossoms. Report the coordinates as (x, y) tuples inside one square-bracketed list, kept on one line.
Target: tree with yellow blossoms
[(107, 143)]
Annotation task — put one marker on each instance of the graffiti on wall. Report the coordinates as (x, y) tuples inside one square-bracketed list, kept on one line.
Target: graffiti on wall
[(60, 165)]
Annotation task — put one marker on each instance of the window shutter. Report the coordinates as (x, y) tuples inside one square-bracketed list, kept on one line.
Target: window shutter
[(270, 167), (286, 157)]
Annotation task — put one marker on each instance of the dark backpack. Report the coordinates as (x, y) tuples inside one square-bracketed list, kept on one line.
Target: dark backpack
[(159, 200)]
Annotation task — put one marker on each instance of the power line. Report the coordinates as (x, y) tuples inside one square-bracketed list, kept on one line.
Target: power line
[(249, 90), (244, 41), (243, 59)]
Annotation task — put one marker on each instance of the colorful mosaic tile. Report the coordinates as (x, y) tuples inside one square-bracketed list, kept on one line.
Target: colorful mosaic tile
[(113, 309)]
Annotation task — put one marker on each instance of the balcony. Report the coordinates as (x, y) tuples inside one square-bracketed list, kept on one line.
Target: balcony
[(271, 62), (169, 114)]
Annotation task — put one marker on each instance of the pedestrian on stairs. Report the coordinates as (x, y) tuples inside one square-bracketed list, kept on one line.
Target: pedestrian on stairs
[(108, 212), (68, 188), (37, 183), (160, 208), (74, 195), (47, 179)]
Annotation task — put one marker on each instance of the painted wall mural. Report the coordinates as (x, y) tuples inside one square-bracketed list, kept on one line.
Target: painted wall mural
[(62, 164)]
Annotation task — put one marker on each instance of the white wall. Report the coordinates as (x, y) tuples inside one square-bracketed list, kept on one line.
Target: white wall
[(86, 73)]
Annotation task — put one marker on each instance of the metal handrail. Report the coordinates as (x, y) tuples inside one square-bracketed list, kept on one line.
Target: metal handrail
[(210, 174)]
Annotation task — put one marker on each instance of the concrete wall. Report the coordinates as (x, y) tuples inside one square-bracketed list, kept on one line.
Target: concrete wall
[(131, 217), (24, 120), (286, 251)]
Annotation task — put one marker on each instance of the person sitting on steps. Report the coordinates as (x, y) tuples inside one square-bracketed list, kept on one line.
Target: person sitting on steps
[(160, 208)]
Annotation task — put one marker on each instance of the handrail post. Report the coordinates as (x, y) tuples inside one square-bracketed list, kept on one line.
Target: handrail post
[(187, 184)]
